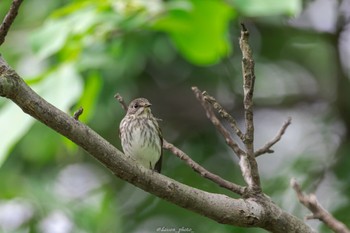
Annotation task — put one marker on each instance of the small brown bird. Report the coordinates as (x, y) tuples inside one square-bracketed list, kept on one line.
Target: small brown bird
[(140, 135)]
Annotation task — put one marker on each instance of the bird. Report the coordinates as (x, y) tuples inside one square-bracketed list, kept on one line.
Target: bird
[(140, 135)]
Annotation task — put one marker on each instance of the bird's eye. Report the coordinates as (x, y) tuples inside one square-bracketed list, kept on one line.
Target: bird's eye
[(136, 106)]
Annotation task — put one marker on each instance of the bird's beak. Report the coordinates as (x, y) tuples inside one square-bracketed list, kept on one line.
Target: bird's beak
[(147, 105)]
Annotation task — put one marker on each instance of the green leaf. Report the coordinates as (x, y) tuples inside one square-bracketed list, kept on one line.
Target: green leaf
[(55, 32), (199, 31), (50, 39), (254, 8), (14, 125), (61, 88)]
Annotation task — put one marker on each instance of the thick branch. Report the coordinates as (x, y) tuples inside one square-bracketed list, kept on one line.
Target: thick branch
[(318, 212), (221, 208), (8, 20)]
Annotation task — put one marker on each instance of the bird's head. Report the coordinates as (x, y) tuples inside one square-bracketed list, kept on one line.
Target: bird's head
[(139, 107)]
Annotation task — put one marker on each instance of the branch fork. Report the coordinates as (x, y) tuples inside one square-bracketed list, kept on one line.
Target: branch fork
[(247, 155)]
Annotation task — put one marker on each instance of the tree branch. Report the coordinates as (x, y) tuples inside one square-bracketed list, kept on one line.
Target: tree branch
[(202, 171), (224, 114), (258, 212), (121, 101), (8, 20), (78, 113), (267, 147), (318, 212), (247, 162), (216, 122), (244, 162), (248, 88)]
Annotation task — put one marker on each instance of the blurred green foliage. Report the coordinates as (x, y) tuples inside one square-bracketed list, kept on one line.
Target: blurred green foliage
[(80, 53)]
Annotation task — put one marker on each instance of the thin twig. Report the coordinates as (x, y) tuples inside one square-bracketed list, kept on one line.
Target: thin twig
[(224, 114), (318, 212), (267, 147), (77, 113), (248, 163), (191, 163), (8, 20), (202, 171), (121, 101), (211, 116)]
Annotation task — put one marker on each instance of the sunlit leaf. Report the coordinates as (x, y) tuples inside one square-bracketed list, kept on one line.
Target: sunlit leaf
[(268, 7), (61, 88), (14, 124), (55, 33), (199, 32), (50, 38)]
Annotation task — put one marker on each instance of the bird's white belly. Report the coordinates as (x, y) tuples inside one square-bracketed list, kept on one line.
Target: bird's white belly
[(143, 151)]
